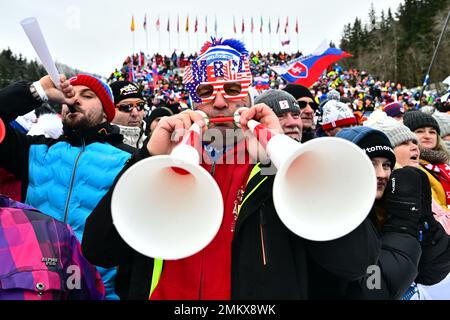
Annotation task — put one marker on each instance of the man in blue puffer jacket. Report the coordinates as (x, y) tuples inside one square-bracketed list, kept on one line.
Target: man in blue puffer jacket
[(65, 177)]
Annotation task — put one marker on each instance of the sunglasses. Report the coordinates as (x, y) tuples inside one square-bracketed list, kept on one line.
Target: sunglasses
[(230, 90), (303, 104), (129, 106)]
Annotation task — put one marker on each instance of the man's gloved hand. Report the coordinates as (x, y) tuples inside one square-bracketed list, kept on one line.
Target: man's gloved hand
[(408, 201)]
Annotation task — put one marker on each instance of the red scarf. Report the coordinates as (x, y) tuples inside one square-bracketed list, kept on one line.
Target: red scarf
[(443, 173)]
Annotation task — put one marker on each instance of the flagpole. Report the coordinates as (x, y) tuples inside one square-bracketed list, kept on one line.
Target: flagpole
[(427, 76), (159, 39), (178, 31), (168, 30)]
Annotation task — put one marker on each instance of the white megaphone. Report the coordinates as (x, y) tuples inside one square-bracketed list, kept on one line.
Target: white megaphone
[(168, 206), (324, 188)]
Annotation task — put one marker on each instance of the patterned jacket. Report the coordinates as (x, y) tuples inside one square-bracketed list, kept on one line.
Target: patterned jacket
[(41, 258)]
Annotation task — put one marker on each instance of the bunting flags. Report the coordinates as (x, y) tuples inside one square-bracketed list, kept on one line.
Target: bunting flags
[(307, 70), (235, 27), (132, 23)]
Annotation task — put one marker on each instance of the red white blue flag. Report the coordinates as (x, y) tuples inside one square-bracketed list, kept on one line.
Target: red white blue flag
[(307, 70)]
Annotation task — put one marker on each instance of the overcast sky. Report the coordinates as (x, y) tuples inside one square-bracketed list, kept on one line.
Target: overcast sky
[(95, 36)]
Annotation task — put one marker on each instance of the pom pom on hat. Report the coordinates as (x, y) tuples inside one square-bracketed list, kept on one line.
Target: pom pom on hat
[(397, 132)]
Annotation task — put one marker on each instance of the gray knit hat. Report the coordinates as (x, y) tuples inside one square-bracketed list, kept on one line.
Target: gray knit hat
[(279, 101), (397, 132), (417, 119), (443, 120)]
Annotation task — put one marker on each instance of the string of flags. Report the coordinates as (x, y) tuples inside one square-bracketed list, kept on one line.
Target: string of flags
[(196, 25)]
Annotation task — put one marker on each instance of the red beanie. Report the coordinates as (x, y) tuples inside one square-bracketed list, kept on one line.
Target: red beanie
[(101, 89)]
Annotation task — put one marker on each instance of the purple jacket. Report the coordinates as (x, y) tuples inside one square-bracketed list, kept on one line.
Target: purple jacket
[(40, 258)]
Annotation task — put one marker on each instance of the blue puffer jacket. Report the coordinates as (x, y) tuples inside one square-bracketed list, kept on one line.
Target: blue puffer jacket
[(64, 178), (67, 182)]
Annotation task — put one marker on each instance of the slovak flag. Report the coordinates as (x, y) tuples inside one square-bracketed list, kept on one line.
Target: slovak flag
[(307, 70)]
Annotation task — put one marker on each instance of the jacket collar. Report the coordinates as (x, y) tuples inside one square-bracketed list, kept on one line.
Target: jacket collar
[(257, 191), (104, 132)]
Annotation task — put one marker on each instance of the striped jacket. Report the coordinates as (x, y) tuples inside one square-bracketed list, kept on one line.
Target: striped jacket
[(41, 258)]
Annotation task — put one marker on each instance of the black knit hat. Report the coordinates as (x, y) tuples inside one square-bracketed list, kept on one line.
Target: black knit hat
[(418, 119), (124, 90), (377, 144), (160, 112), (279, 101), (298, 91)]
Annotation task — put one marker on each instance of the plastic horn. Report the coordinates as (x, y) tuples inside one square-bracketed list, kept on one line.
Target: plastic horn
[(324, 188), (2, 130), (168, 206), (34, 33)]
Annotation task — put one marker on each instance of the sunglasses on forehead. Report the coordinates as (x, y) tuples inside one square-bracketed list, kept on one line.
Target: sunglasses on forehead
[(127, 107), (230, 90), (303, 104)]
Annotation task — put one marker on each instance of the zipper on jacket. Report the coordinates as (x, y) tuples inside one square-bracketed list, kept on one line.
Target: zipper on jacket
[(263, 237), (213, 168), (71, 182)]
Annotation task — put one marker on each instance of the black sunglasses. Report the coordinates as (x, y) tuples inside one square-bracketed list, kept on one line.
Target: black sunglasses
[(303, 104), (129, 106)]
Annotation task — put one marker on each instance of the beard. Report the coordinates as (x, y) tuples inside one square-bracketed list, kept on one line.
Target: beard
[(79, 122)]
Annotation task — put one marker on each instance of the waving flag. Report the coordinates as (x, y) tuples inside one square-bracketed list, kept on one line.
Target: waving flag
[(168, 24), (270, 28), (243, 25), (278, 25), (178, 23), (187, 23), (251, 26), (206, 24), (286, 26), (145, 22), (296, 25), (307, 70), (196, 25), (132, 24), (261, 26), (234, 25), (215, 25), (158, 23)]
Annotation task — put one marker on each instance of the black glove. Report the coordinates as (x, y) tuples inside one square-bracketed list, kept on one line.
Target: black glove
[(408, 201)]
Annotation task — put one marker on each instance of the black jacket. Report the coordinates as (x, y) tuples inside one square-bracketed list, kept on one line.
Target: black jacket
[(292, 263)]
